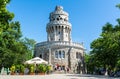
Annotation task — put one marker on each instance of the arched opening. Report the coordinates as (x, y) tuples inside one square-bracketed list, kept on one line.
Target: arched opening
[(57, 19), (56, 54), (63, 54), (40, 55), (61, 19), (59, 54)]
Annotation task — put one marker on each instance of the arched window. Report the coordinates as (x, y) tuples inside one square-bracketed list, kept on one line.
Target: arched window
[(40, 56), (59, 54), (61, 19), (63, 54), (56, 54), (57, 19), (66, 29)]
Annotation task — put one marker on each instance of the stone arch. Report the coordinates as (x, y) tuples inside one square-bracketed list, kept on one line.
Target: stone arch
[(40, 55)]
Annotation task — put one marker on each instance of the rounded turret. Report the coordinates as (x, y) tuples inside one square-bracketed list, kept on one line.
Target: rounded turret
[(58, 28)]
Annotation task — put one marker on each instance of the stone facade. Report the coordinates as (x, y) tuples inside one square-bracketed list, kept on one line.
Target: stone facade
[(59, 50)]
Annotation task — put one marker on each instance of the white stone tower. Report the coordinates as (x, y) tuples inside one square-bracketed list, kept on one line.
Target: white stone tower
[(58, 28), (59, 50)]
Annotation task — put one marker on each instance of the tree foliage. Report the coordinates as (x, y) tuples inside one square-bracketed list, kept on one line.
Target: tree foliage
[(29, 43), (12, 49), (105, 49)]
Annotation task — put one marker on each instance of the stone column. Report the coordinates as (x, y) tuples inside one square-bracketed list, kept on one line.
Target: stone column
[(54, 33), (49, 55), (81, 69), (63, 33)]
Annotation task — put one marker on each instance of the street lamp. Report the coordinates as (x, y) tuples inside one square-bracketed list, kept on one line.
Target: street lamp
[(81, 68)]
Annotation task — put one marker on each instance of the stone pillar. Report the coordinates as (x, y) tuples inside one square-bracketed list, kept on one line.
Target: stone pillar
[(55, 33), (49, 56), (63, 34)]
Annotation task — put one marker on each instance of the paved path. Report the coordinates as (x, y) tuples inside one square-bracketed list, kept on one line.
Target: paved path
[(55, 76)]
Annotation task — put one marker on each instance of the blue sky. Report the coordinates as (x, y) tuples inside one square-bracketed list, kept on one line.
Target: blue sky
[(86, 16)]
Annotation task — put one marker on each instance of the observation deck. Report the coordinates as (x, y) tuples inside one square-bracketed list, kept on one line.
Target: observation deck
[(60, 43)]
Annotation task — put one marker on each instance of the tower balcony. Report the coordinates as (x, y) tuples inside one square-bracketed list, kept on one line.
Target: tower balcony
[(60, 44), (58, 23)]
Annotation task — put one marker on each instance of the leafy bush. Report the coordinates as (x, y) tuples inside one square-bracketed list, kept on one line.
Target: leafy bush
[(42, 68), (22, 68), (12, 68), (31, 67), (48, 68)]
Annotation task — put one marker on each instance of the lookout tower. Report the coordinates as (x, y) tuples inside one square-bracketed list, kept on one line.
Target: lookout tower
[(58, 28)]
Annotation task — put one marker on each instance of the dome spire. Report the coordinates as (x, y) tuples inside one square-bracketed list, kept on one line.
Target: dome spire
[(58, 8)]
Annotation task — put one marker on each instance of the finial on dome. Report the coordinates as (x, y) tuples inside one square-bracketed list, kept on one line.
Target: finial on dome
[(59, 8)]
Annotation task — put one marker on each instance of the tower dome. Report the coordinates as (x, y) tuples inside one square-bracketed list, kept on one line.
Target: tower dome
[(58, 28)]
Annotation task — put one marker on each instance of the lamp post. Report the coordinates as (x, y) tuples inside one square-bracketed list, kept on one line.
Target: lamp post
[(81, 68)]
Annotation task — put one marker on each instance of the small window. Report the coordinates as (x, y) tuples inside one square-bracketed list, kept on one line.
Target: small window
[(65, 20), (56, 54), (58, 32), (77, 55), (59, 54), (57, 19), (59, 39), (40, 56), (63, 54)]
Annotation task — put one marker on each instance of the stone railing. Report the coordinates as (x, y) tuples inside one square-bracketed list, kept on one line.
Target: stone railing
[(61, 43), (59, 22)]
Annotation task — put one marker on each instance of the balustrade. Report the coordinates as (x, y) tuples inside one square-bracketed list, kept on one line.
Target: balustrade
[(62, 43)]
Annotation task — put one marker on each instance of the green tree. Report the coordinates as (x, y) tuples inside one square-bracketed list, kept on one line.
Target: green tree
[(12, 49), (9, 35), (118, 5), (105, 49), (29, 43)]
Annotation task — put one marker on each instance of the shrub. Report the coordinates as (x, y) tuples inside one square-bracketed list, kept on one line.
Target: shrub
[(22, 68), (42, 68), (31, 67), (48, 68), (12, 68)]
